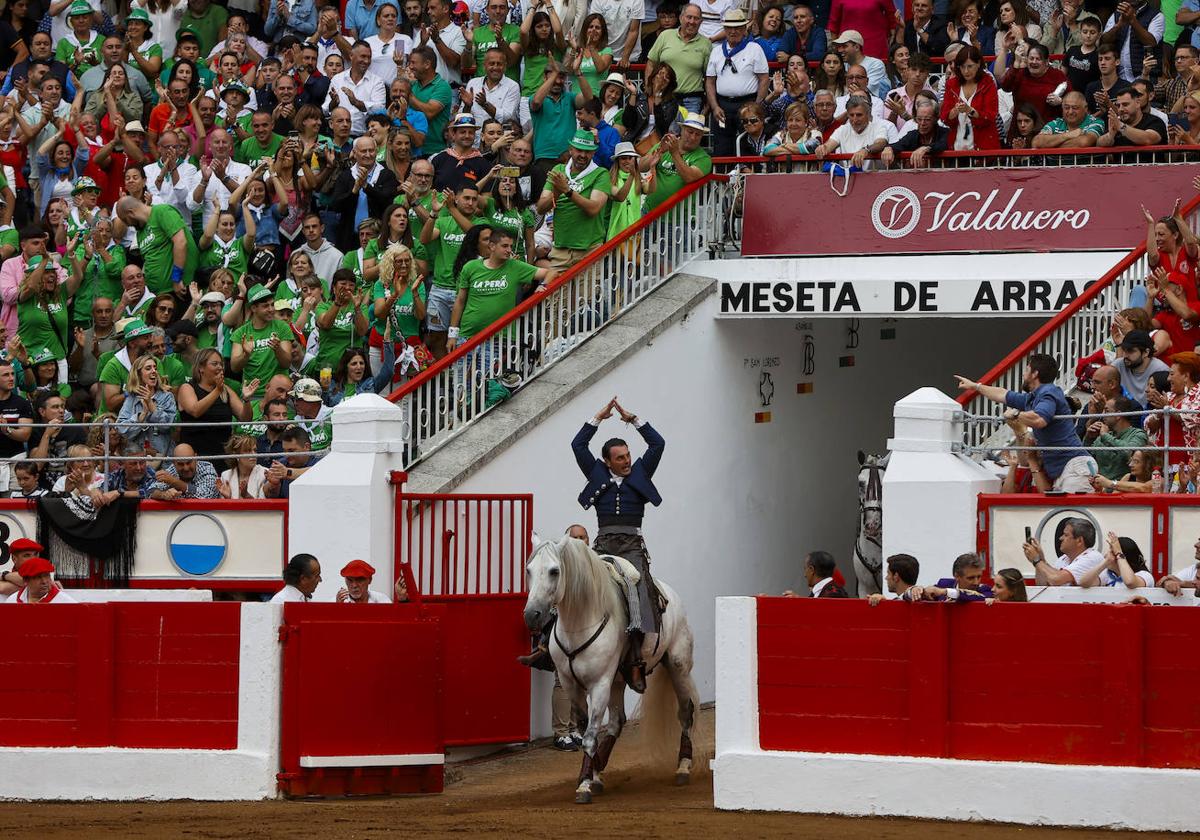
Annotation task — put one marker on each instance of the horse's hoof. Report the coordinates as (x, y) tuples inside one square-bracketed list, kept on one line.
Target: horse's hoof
[(682, 779), (597, 786), (583, 797)]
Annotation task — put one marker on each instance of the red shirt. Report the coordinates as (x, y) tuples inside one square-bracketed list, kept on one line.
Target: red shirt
[(160, 115), (1025, 88)]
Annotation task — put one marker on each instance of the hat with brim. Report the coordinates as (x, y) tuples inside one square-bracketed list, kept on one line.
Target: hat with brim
[(735, 19), (286, 303), (257, 292), (134, 127), (308, 390), (35, 566), (33, 262), (43, 355), (85, 184), (464, 121), (358, 569), (186, 32), (143, 16), (625, 149), (80, 8), (850, 36), (584, 141), (695, 121), (236, 87), (614, 79), (212, 297), (135, 328)]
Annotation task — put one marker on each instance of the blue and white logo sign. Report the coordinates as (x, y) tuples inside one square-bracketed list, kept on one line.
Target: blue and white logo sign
[(197, 543)]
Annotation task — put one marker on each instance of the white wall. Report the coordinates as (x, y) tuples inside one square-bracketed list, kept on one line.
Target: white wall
[(744, 501)]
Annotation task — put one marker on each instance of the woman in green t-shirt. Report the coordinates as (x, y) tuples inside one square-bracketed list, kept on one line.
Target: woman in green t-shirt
[(541, 40), (220, 246), (395, 230), (398, 304), (506, 209), (593, 57), (629, 189), (42, 314), (341, 322)]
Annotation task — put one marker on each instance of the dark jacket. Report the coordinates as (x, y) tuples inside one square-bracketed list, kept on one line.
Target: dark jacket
[(832, 590), (344, 201), (966, 595), (628, 499), (912, 141), (636, 118)]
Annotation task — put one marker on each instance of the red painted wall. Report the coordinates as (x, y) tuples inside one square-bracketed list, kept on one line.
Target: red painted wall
[(1054, 683), (120, 675)]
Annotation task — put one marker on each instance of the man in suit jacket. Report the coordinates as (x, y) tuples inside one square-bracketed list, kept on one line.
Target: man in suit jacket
[(965, 587), (619, 488), (819, 567), (362, 191)]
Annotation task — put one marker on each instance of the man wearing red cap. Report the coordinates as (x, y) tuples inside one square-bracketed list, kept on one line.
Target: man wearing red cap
[(39, 587), (20, 550), (358, 575)]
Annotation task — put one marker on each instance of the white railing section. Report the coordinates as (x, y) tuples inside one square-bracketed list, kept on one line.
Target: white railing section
[(454, 393)]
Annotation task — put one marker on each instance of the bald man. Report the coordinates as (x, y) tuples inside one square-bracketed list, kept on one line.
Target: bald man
[(221, 177), (186, 478), (1075, 129), (165, 241), (363, 190)]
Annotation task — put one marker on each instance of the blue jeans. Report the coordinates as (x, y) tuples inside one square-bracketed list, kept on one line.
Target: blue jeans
[(1137, 297)]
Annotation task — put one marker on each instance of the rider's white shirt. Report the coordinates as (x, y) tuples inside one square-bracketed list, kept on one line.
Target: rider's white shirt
[(821, 584)]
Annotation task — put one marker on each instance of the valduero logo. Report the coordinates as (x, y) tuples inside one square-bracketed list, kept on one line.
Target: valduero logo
[(895, 212), (197, 544)]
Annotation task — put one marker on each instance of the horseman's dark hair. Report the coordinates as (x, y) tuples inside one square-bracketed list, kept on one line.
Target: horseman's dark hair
[(822, 563), (904, 566), (297, 567), (1045, 367), (970, 560), (608, 446)]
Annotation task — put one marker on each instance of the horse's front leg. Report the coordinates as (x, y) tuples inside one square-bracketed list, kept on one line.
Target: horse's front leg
[(612, 730), (597, 704)]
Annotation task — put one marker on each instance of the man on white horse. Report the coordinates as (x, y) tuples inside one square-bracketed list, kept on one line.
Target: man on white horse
[(619, 489)]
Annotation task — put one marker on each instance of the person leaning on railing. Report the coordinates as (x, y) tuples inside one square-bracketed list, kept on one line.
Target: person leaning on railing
[(1139, 478), (1128, 126), (925, 139), (1078, 556), (1124, 565), (1190, 135), (1185, 578), (1111, 438), (1075, 129)]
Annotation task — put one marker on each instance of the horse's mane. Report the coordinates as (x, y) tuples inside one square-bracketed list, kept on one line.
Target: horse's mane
[(587, 581)]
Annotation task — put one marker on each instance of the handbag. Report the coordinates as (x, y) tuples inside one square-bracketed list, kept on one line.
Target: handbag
[(647, 143)]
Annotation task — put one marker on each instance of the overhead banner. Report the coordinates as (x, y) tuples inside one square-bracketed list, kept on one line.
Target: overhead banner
[(959, 210)]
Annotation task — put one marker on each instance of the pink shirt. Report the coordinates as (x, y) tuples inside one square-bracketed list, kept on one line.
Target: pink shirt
[(873, 19)]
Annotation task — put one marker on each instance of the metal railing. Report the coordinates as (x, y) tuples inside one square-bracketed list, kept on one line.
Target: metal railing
[(450, 395), (1075, 332)]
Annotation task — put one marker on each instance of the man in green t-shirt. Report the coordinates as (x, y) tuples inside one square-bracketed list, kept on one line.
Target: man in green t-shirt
[(432, 96), (488, 289), (207, 20), (443, 236), (678, 161), (165, 241), (114, 370), (505, 37), (262, 347), (578, 192), (263, 142)]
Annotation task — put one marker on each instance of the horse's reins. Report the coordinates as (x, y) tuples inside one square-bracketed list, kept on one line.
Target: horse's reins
[(571, 654)]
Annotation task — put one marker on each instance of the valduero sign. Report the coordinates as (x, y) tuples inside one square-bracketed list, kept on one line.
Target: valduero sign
[(789, 298), (1076, 208)]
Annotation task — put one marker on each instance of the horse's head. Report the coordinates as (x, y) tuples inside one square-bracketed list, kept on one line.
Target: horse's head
[(870, 492), (543, 578)]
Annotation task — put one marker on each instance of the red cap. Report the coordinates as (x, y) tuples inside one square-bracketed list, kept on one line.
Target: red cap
[(25, 545), (355, 569), (35, 566)]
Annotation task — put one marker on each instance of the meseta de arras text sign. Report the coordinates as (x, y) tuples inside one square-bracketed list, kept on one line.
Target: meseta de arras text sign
[(784, 298), (1070, 208)]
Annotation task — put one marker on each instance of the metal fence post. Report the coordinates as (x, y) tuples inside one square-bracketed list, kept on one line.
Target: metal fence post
[(107, 468)]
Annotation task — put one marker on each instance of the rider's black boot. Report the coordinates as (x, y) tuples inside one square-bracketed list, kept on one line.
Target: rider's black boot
[(637, 666)]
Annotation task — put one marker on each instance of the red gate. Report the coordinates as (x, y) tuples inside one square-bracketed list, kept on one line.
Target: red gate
[(467, 552), (363, 703)]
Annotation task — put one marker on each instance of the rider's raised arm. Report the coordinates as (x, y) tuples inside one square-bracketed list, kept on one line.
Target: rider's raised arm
[(583, 455), (654, 447)]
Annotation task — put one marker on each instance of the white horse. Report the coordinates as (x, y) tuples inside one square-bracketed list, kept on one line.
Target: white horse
[(587, 644), (868, 542)]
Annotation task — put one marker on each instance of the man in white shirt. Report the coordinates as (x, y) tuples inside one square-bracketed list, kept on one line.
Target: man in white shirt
[(301, 577), (325, 258), (859, 136), (1184, 578), (850, 46), (624, 19), (446, 38), (493, 95), (39, 587), (358, 575), (1078, 555), (357, 89), (171, 179), (737, 74), (221, 177)]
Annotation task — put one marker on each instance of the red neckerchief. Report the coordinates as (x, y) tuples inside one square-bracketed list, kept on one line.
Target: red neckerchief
[(474, 153), (50, 596)]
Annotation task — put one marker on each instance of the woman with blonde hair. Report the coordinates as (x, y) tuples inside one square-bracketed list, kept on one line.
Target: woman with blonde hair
[(794, 137), (399, 306), (147, 401), (247, 478)]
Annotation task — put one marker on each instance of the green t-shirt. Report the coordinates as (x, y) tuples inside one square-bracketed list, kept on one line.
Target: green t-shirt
[(256, 428), (231, 255), (445, 250), (667, 179), (485, 39), (44, 326), (65, 52), (207, 77), (262, 364), (251, 152), (587, 69), (438, 89), (173, 370), (335, 340), (491, 292), (100, 279), (554, 125), (572, 227), (158, 253), (512, 221), (353, 261), (208, 25), (535, 72), (404, 322), (623, 214)]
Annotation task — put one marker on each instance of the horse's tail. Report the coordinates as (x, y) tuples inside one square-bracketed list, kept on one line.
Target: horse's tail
[(658, 711)]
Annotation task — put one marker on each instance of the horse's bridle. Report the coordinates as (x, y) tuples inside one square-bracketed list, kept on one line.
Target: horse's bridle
[(872, 502)]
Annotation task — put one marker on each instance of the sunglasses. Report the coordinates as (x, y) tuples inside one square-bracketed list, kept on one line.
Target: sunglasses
[(751, 121)]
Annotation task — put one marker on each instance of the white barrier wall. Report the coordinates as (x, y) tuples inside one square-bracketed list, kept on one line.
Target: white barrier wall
[(245, 773)]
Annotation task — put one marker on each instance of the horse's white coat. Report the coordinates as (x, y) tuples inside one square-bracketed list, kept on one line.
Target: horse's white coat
[(868, 542)]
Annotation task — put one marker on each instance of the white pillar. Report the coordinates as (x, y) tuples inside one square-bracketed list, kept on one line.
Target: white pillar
[(343, 508), (930, 493)]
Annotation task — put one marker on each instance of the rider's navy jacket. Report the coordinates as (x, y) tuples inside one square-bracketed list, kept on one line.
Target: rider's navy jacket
[(627, 499)]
